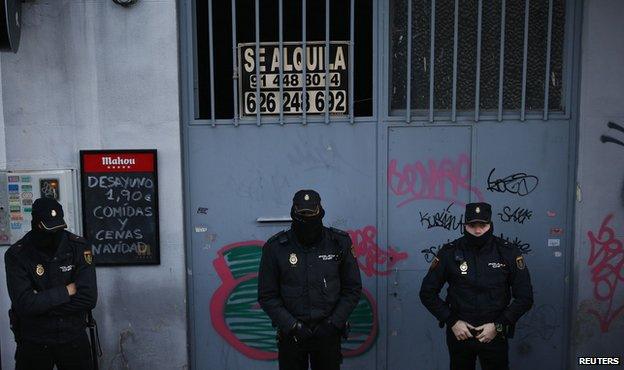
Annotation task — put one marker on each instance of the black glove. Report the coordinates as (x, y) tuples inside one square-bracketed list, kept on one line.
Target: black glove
[(325, 329), (300, 332)]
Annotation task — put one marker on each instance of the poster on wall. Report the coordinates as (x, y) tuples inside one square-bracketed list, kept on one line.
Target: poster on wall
[(120, 206), (293, 100)]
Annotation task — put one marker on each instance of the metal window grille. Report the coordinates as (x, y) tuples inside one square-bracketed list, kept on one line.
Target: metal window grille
[(220, 26), (476, 58)]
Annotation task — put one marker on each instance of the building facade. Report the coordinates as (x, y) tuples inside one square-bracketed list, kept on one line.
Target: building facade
[(514, 103)]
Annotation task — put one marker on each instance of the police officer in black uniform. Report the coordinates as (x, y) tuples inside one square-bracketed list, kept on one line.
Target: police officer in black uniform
[(308, 284), (483, 273), (52, 286)]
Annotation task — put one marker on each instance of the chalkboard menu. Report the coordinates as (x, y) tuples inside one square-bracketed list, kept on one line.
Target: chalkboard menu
[(120, 206)]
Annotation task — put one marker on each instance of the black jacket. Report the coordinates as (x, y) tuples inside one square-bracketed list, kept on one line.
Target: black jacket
[(481, 283), (310, 284), (42, 310)]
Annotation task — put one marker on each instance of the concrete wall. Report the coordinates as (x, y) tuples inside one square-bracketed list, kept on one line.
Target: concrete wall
[(94, 75), (598, 317)]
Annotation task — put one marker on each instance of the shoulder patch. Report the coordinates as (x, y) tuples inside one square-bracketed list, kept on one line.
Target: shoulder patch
[(282, 236), (520, 263), (88, 256)]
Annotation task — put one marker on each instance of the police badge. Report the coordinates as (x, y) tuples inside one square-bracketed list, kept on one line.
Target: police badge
[(39, 270), (464, 268), (293, 259)]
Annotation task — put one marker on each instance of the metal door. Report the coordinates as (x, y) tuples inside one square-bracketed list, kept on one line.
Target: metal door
[(432, 173), (243, 184), (396, 179)]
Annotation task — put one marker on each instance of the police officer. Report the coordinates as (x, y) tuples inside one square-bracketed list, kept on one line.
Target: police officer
[(480, 270), (52, 286), (308, 284)]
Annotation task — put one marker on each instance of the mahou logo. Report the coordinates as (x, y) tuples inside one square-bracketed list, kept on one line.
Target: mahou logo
[(117, 161)]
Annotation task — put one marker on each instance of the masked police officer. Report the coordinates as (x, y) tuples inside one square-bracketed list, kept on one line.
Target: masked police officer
[(308, 284), (480, 269), (52, 286)]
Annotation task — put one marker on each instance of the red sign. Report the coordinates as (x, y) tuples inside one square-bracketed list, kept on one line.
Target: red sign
[(118, 162)]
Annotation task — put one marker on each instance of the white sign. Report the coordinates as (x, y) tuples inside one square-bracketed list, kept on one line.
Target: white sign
[(260, 88)]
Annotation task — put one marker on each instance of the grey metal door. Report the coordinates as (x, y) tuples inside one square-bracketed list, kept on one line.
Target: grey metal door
[(244, 176), (522, 170)]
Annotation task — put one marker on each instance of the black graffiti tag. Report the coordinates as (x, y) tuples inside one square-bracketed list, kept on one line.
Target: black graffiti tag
[(430, 253), (609, 139), (518, 215), (525, 248), (443, 219), (518, 183)]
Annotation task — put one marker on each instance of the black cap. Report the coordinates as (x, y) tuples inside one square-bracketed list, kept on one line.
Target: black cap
[(307, 203), (478, 212), (48, 213)]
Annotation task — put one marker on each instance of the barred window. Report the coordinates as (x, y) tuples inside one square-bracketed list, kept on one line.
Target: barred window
[(468, 55), (245, 32)]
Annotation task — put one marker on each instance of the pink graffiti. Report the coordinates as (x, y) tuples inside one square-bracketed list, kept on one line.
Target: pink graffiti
[(418, 181), (370, 256), (606, 260)]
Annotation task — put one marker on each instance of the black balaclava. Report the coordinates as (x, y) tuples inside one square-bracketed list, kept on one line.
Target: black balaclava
[(46, 225), (479, 241), (478, 212), (307, 217)]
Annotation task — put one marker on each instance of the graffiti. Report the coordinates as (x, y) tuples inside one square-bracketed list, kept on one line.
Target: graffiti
[(202, 210), (525, 248), (518, 215), (518, 183), (606, 260), (237, 317), (369, 256), (447, 180), (431, 252), (539, 323), (444, 219), (609, 139)]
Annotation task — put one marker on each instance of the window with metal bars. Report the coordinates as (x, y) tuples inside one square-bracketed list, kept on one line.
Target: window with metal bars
[(476, 57), (235, 24)]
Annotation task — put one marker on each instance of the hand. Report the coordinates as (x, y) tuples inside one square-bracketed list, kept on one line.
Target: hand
[(71, 289), (300, 332), (461, 330), (325, 329), (488, 332)]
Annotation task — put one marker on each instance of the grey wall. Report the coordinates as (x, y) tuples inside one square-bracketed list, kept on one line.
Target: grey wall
[(598, 317), (91, 75)]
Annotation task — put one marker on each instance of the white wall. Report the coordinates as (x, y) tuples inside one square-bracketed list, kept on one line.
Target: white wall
[(94, 75), (598, 328)]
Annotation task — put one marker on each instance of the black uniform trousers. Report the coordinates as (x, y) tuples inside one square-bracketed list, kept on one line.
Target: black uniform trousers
[(74, 355), (464, 353), (319, 353)]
